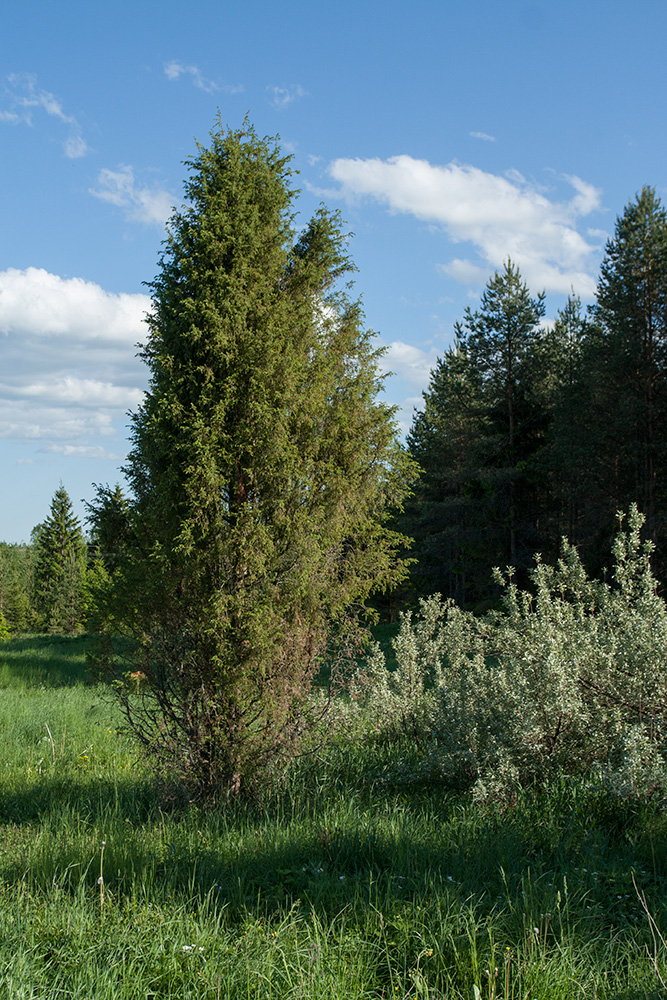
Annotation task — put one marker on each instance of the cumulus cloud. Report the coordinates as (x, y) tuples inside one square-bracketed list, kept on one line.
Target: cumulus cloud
[(282, 97), (70, 371), (174, 69), (150, 205), (36, 302), (484, 136), (502, 216), (410, 363), (24, 97)]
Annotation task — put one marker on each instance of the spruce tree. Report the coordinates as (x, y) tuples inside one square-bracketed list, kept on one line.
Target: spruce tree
[(263, 469), (60, 567)]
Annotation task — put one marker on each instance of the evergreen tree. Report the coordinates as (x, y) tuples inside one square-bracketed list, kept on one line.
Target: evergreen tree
[(109, 526), (561, 385), (60, 567), (16, 576), (262, 471), (628, 365), (447, 514), (501, 338), (17, 610), (477, 442)]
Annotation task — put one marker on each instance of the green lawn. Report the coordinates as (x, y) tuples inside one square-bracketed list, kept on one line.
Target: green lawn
[(339, 886)]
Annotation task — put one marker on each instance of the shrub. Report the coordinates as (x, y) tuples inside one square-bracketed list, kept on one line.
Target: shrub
[(565, 678)]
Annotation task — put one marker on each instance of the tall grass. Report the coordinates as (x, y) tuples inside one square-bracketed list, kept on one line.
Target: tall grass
[(337, 885)]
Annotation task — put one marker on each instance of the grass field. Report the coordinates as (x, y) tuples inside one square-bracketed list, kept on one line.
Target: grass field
[(339, 886)]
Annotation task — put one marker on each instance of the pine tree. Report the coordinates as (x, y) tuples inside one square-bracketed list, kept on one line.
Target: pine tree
[(262, 471), (60, 567), (477, 442), (447, 514), (628, 364), (560, 386), (501, 337)]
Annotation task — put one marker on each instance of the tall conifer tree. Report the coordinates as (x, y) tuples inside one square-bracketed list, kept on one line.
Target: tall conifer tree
[(60, 567), (476, 442), (262, 471), (628, 364)]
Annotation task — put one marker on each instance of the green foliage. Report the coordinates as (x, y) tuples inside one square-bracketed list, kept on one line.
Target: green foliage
[(263, 470), (4, 630), (108, 517), (476, 442), (530, 433), (60, 567), (565, 678), (626, 369), (16, 583)]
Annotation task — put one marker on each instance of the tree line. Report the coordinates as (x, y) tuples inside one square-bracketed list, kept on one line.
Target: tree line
[(531, 432)]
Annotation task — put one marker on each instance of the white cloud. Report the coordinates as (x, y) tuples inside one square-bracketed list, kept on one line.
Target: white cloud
[(409, 363), (72, 390), (406, 413), (502, 216), (484, 136), (142, 204), (465, 272), (75, 146), (174, 69), (37, 302), (70, 371), (282, 97), (24, 97)]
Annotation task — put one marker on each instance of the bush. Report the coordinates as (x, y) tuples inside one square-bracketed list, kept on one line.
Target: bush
[(565, 679)]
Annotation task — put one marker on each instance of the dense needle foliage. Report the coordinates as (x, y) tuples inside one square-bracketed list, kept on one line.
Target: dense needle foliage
[(60, 567), (262, 471)]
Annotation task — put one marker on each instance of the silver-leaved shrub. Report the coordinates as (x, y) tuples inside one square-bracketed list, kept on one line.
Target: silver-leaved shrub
[(567, 678)]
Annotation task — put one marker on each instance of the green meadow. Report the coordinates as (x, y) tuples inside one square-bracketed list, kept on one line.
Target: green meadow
[(337, 885)]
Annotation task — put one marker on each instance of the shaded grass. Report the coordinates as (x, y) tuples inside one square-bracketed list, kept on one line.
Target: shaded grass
[(336, 885), (44, 660)]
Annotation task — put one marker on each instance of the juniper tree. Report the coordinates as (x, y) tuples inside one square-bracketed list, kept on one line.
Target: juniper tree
[(262, 471)]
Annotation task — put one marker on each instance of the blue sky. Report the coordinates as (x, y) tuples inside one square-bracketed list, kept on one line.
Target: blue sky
[(450, 135)]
